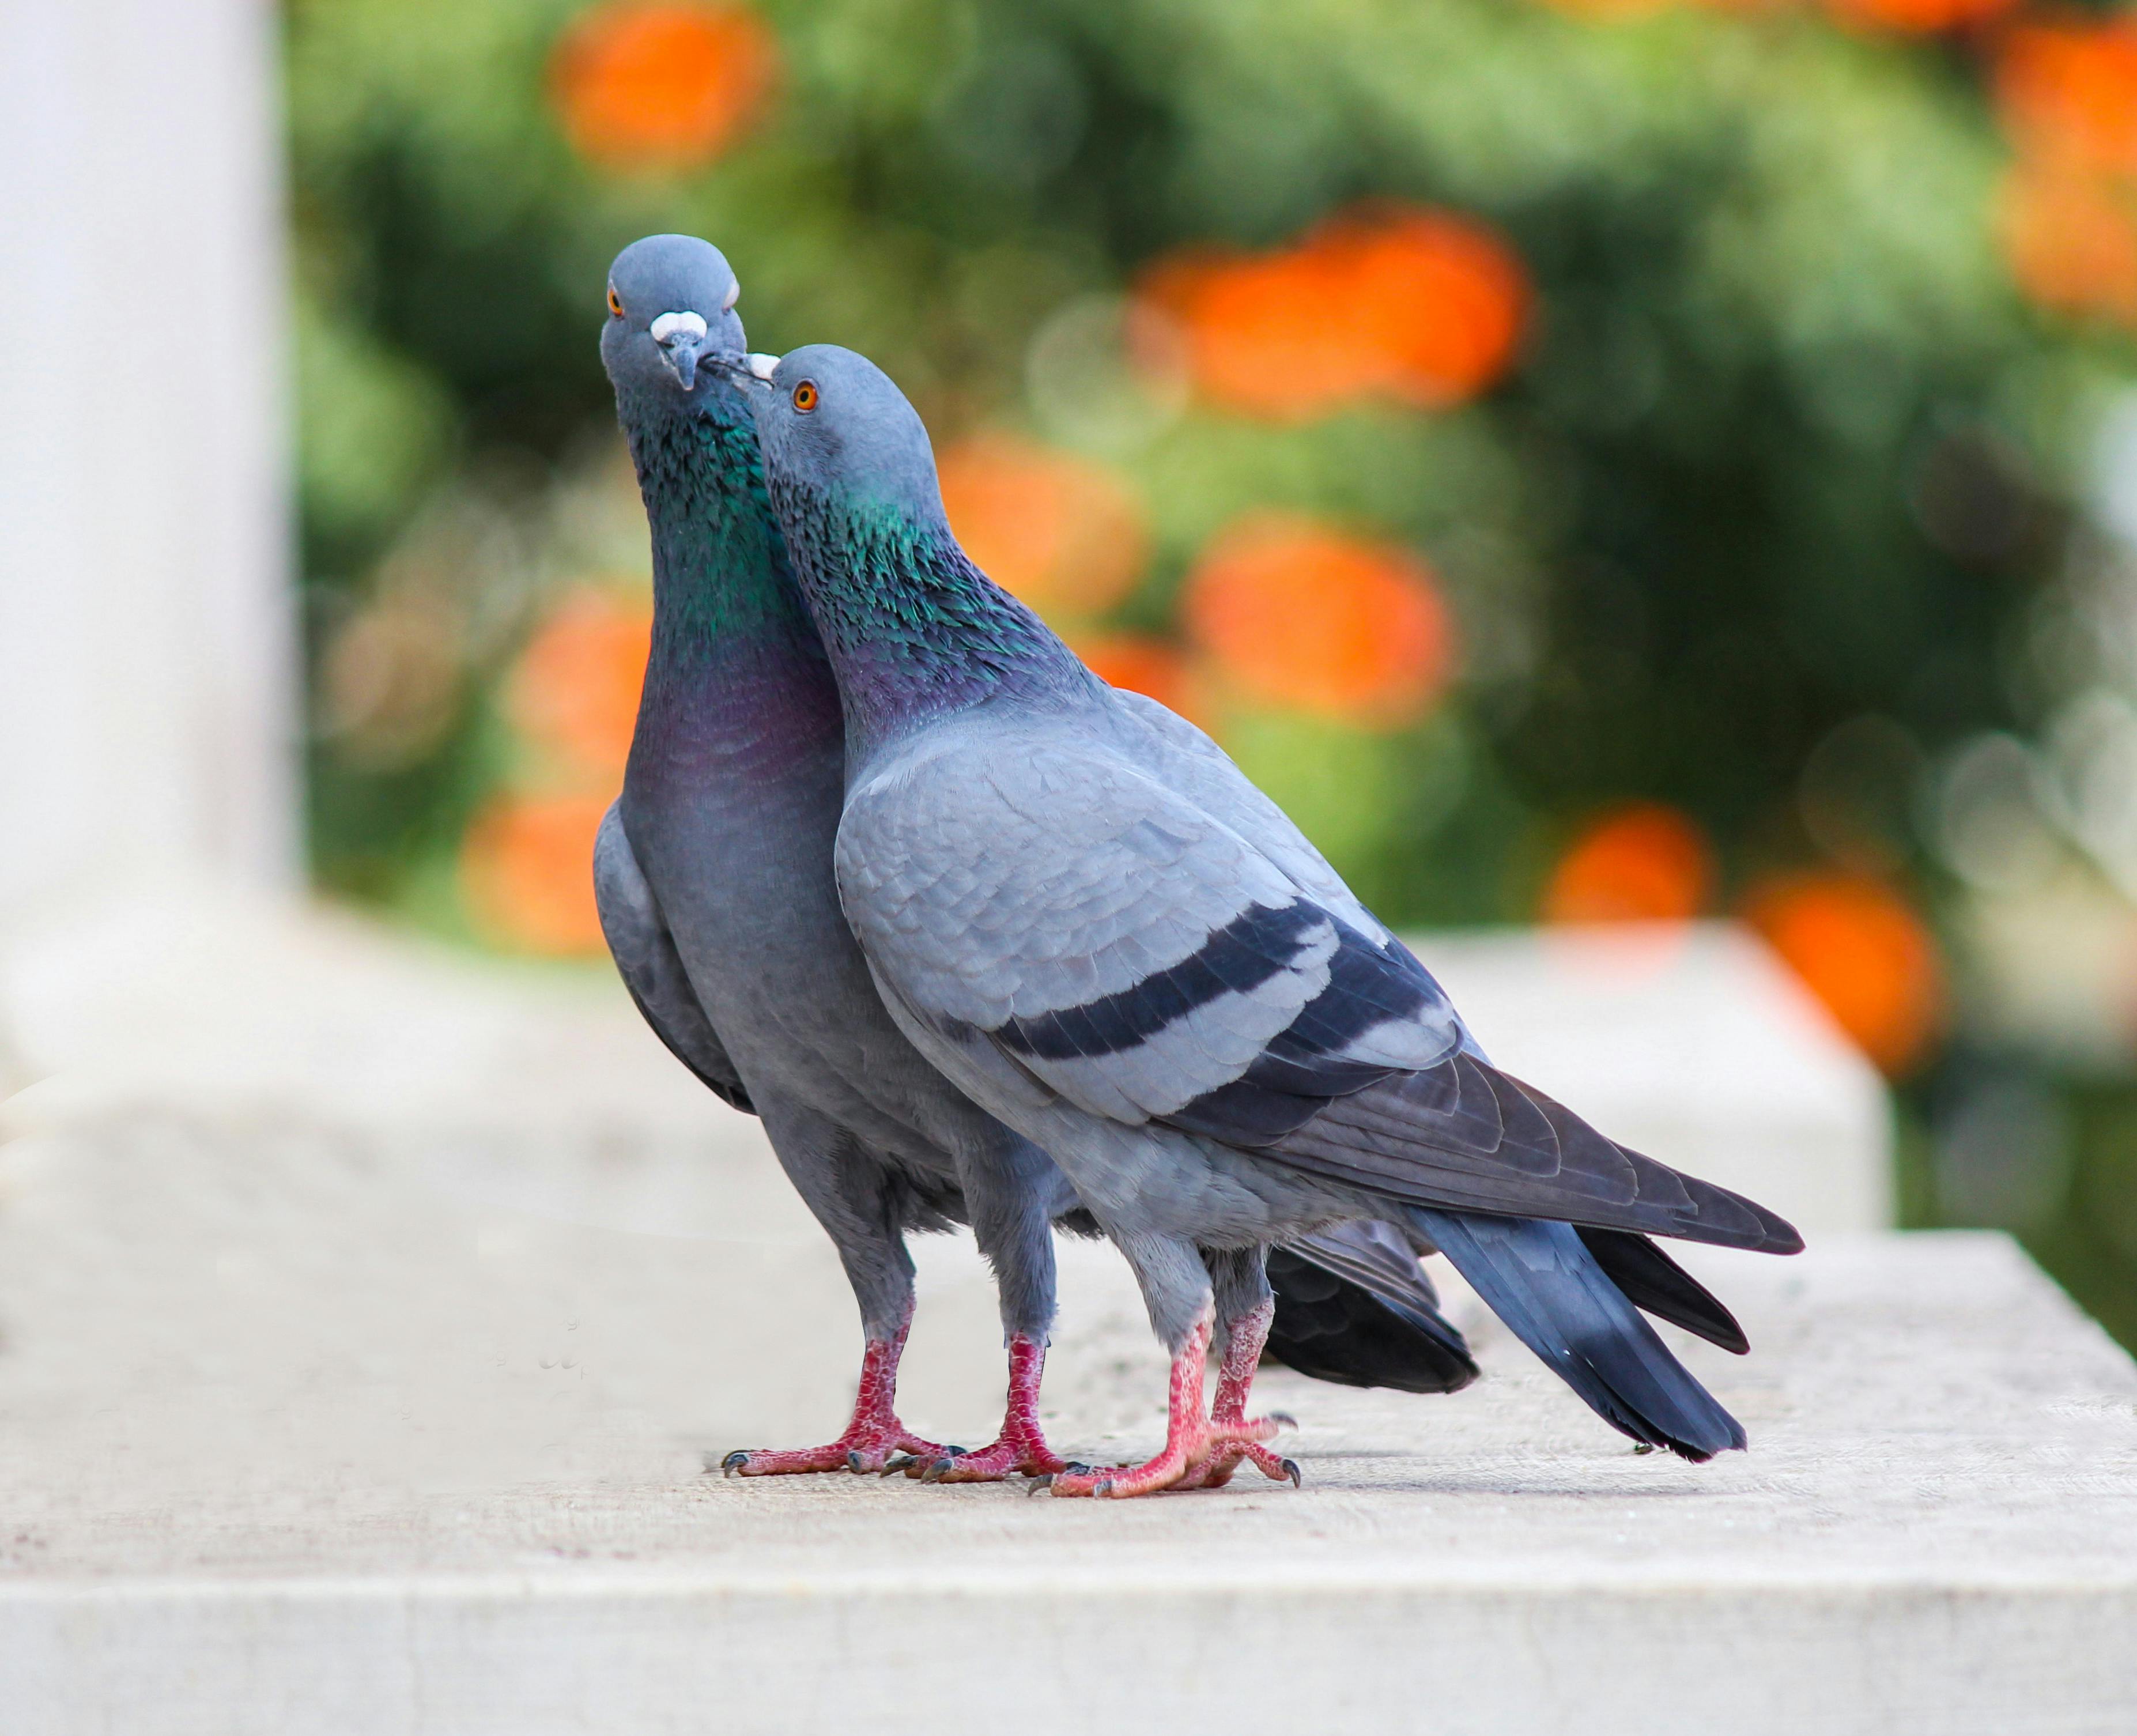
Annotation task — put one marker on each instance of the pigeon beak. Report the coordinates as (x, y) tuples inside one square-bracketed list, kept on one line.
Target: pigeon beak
[(746, 371), (680, 336)]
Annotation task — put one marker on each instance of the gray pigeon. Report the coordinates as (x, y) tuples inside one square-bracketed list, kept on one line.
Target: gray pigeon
[(1084, 914), (714, 877)]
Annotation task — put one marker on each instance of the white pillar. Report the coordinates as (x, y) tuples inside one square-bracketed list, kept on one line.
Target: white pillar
[(147, 684)]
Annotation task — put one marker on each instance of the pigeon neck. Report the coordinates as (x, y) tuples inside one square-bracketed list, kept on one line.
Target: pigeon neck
[(915, 631), (721, 582)]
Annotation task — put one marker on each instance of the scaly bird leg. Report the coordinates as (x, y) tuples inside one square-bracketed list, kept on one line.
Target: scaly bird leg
[(1235, 1380), (873, 1436), (1020, 1449), (1190, 1437)]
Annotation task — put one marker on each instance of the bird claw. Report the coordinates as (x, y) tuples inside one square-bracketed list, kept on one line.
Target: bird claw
[(901, 1462), (855, 1462), (1039, 1483), (1640, 1449), (1291, 1470), (733, 1462), (1282, 1419)]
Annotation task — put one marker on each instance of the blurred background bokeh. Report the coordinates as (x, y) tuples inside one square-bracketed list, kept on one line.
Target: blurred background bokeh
[(1593, 460)]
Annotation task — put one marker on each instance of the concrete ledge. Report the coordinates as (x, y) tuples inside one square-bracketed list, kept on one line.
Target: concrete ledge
[(647, 1655), (1936, 1529), (343, 1390)]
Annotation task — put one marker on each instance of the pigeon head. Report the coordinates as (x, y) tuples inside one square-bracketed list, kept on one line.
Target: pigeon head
[(834, 426), (671, 301), (912, 625)]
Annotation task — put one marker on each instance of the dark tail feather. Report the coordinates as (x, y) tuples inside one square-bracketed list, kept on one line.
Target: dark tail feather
[(1540, 1277), (1331, 1325), (1654, 1281)]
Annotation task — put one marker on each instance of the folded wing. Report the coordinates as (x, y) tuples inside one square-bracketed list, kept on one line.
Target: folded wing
[(1126, 949), (652, 969)]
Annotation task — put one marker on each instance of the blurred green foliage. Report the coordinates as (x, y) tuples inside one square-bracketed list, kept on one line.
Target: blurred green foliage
[(1784, 451)]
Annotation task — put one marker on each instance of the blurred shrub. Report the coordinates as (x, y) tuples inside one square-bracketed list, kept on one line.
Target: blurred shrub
[(1596, 460)]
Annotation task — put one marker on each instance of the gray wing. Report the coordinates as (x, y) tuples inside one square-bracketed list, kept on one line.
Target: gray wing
[(1191, 762), (652, 969), (1126, 947), (1125, 950), (1184, 758)]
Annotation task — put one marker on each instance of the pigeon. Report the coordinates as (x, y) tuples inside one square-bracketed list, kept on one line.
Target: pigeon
[(1087, 917), (712, 877)]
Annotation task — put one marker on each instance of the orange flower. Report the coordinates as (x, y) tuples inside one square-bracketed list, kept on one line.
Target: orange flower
[(652, 86), (2068, 92), (1437, 300), (1864, 953), (575, 689), (1262, 333), (1142, 665), (2070, 236), (1917, 17), (526, 872), (1422, 306), (1063, 534), (1640, 863), (1300, 614)]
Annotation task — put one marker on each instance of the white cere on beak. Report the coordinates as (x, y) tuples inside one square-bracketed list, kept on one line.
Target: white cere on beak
[(677, 325), (734, 295), (762, 365)]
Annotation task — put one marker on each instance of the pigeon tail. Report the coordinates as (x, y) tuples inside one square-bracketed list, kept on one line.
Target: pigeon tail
[(1657, 1284), (1540, 1277)]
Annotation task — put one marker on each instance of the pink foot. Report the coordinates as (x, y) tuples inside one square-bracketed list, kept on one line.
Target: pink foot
[(1235, 1379), (1189, 1438), (871, 1437), (1020, 1449)]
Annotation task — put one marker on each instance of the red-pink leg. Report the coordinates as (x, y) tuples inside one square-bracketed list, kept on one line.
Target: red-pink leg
[(1021, 1448), (1188, 1435), (873, 1435), (1235, 1380)]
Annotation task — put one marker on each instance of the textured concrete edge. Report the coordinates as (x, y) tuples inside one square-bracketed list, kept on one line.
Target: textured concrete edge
[(1136, 1581), (534, 1656)]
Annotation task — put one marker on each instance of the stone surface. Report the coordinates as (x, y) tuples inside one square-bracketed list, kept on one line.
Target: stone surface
[(366, 1317), (293, 1439)]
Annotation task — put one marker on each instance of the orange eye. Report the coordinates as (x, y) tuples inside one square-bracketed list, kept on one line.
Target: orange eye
[(805, 396), (614, 303)]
